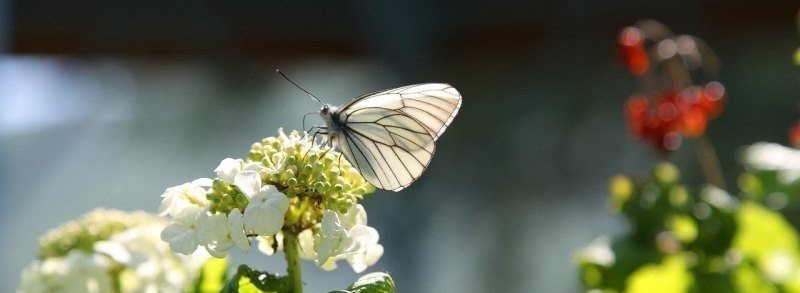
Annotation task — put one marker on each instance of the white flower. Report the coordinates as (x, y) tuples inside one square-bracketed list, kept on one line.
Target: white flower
[(772, 156), (264, 214), (78, 271), (228, 168), (356, 215), (236, 225), (213, 231), (178, 197), (33, 280), (331, 238), (136, 256), (181, 233), (370, 251), (278, 163), (598, 252), (150, 265), (347, 236)]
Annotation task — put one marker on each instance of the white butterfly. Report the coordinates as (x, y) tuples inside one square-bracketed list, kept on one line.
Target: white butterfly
[(390, 135)]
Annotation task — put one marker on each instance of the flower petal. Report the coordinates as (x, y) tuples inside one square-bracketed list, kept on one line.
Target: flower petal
[(181, 238), (187, 215), (212, 228), (356, 215), (236, 226), (203, 182), (330, 238), (360, 238), (217, 251), (360, 261), (329, 265), (306, 239), (331, 225), (114, 250), (248, 182), (253, 166), (227, 169), (277, 199), (263, 219)]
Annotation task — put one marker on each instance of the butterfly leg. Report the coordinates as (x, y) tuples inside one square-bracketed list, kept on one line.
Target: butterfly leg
[(304, 121), (313, 131), (340, 162), (316, 130)]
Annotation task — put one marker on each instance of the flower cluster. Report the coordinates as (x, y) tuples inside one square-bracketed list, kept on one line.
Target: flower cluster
[(287, 184), (671, 106), (109, 251), (343, 236), (674, 114)]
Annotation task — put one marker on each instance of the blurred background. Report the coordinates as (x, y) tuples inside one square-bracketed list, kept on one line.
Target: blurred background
[(107, 103)]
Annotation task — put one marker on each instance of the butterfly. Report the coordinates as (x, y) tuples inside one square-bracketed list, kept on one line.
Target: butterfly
[(390, 135)]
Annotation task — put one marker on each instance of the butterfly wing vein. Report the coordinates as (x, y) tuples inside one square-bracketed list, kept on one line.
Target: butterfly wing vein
[(390, 135)]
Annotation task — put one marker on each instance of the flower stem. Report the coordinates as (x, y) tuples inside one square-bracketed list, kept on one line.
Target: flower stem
[(291, 249), (116, 284), (709, 162)]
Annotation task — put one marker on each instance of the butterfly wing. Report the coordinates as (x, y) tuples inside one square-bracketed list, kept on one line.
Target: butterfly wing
[(432, 104), (390, 135)]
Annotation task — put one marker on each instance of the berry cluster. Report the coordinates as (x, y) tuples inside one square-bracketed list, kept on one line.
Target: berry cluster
[(680, 108), (674, 114)]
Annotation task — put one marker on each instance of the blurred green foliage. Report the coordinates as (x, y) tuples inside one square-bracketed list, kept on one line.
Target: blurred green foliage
[(684, 240), (771, 187), (252, 281), (212, 276), (249, 280), (378, 282)]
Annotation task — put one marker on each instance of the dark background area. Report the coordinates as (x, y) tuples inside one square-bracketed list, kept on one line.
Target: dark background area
[(107, 103)]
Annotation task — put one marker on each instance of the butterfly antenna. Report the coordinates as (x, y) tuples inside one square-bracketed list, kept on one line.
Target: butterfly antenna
[(302, 89)]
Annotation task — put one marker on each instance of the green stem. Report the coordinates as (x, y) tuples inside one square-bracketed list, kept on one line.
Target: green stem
[(291, 248), (116, 285)]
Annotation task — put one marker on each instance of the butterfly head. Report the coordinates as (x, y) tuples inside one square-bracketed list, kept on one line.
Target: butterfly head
[(328, 114), (327, 110)]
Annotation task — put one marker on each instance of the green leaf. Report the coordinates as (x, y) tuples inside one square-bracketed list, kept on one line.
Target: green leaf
[(248, 280), (671, 275), (771, 245), (212, 276), (377, 282)]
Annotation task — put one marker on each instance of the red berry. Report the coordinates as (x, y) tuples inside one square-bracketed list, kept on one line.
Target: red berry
[(667, 111), (632, 51), (636, 114), (794, 134), (693, 122), (712, 99)]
